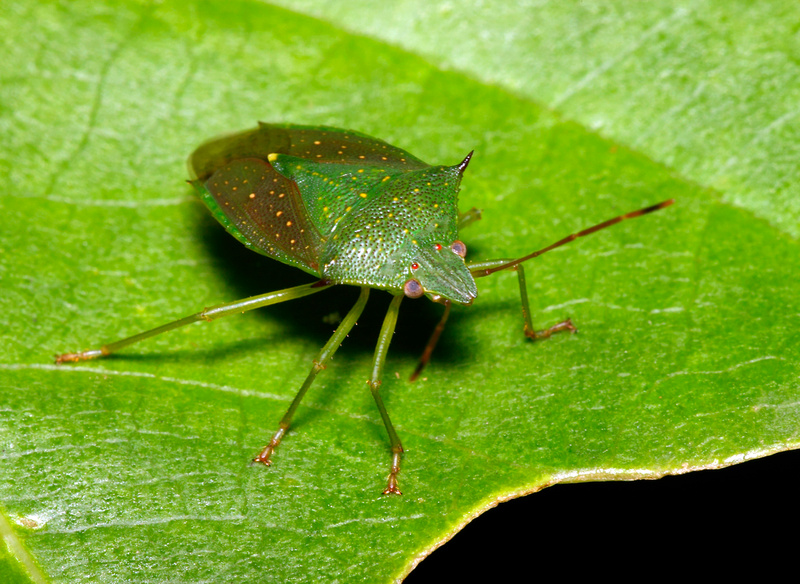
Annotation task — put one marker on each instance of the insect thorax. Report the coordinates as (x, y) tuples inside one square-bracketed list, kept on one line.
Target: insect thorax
[(376, 242)]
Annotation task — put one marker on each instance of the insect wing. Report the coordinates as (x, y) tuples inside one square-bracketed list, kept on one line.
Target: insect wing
[(334, 168), (263, 210), (315, 143), (216, 153), (325, 144)]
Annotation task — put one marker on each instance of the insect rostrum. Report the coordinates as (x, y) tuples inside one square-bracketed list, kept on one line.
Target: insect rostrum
[(347, 209)]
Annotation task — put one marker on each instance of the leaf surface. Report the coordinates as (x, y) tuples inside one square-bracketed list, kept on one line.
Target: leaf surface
[(137, 467)]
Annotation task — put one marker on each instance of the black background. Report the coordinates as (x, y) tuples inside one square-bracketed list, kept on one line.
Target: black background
[(726, 519)]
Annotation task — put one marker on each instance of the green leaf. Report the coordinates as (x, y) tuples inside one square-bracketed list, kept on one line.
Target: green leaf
[(137, 467)]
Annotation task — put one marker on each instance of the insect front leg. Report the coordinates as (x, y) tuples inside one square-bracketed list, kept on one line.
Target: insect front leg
[(530, 332), (319, 364), (478, 270), (387, 330)]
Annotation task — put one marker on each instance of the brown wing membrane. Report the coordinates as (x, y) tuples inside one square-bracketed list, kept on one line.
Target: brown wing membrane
[(317, 143), (265, 211), (216, 153), (325, 144)]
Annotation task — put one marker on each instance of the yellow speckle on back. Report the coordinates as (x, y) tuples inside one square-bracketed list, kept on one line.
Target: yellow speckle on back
[(362, 195), (252, 195), (272, 157)]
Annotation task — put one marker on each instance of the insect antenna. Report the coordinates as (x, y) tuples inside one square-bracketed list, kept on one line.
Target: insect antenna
[(481, 272), (437, 332)]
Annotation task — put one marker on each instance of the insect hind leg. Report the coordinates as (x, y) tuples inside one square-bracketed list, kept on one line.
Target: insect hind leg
[(206, 315)]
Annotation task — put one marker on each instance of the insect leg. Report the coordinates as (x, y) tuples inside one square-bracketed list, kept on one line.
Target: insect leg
[(480, 269), (437, 332), (531, 332), (207, 314), (319, 364), (469, 217), (387, 330)]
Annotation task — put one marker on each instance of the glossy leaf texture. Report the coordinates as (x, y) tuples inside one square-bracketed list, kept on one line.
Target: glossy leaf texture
[(136, 468)]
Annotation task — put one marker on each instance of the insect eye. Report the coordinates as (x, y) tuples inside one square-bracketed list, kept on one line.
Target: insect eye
[(459, 248), (437, 246), (415, 266), (413, 289)]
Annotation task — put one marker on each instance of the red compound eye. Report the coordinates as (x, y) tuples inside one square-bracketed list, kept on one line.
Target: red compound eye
[(414, 266), (438, 246)]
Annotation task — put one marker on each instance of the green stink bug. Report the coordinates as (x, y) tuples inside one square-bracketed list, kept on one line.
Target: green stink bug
[(347, 209)]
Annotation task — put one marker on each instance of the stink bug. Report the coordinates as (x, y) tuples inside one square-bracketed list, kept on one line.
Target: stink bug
[(347, 209)]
